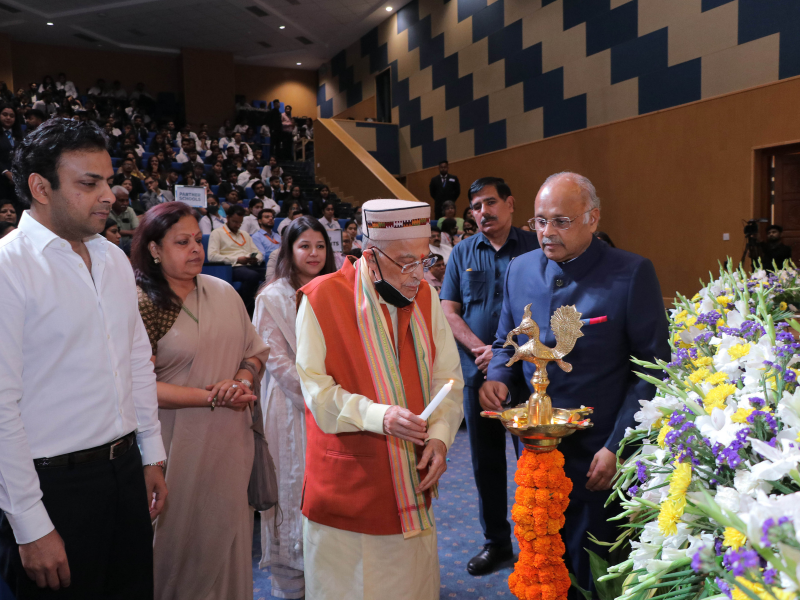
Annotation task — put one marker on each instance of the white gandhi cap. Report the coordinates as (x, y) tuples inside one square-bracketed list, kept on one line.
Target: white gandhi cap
[(396, 219)]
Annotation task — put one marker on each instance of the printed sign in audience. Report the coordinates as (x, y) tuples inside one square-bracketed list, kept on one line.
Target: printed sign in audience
[(193, 195), (336, 239)]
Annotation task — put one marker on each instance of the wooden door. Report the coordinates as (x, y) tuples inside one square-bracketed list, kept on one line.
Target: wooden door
[(787, 200)]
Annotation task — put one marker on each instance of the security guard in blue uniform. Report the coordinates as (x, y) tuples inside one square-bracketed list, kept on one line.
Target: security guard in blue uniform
[(471, 300), (572, 267)]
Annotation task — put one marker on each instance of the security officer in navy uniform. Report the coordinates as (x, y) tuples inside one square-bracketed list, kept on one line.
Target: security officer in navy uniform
[(471, 300), (443, 187), (575, 268)]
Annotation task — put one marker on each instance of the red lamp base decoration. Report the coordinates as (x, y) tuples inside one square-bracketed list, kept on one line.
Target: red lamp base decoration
[(541, 499)]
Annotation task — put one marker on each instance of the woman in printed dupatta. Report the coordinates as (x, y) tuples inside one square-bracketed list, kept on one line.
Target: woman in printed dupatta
[(208, 361), (305, 253)]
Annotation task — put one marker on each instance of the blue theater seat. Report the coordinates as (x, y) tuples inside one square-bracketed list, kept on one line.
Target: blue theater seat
[(215, 189), (218, 270), (250, 193)]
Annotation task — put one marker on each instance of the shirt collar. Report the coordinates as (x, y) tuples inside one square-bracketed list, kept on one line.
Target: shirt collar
[(41, 237), (512, 237), (582, 264)]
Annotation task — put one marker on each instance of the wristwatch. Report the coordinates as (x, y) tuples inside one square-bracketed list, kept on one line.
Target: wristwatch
[(161, 463)]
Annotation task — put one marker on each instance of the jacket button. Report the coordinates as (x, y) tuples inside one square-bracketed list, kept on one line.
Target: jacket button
[(559, 282)]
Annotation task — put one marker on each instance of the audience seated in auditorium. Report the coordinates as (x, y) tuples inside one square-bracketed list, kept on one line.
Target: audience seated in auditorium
[(351, 227), (8, 213), (470, 228), (265, 238), (154, 195), (10, 136), (328, 220), (435, 274), (211, 220), (111, 232), (449, 210), (250, 223), (291, 210), (275, 190), (128, 170), (232, 246), (6, 228), (271, 169), (450, 235), (33, 118), (250, 175), (124, 216), (436, 246), (230, 184), (297, 195), (173, 175), (261, 194)]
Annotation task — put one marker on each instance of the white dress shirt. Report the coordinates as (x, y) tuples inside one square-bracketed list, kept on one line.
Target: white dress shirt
[(209, 223), (74, 363)]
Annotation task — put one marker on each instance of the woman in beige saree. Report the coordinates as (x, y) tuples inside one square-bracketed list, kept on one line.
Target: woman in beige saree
[(305, 253), (207, 359)]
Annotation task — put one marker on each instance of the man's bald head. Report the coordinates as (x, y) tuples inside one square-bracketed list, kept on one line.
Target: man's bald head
[(566, 196)]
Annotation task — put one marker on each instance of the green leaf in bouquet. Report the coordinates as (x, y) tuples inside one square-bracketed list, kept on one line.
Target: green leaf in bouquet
[(606, 590), (586, 594)]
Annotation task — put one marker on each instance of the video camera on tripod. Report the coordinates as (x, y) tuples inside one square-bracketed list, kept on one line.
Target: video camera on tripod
[(751, 239)]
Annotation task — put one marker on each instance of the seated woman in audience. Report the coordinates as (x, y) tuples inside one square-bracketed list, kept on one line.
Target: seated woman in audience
[(296, 195), (470, 228), (328, 219), (188, 178), (212, 219), (351, 227), (6, 228), (215, 176), (48, 84), (154, 168), (250, 223), (8, 214), (290, 211), (449, 210), (111, 232), (450, 236), (468, 214), (208, 361), (158, 143), (305, 254), (324, 196)]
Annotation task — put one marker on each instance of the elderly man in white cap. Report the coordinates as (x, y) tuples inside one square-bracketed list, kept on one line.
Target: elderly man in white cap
[(372, 463)]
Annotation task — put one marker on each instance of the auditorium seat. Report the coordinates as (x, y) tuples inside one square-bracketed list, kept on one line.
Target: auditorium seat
[(218, 270), (250, 193), (177, 165), (214, 189)]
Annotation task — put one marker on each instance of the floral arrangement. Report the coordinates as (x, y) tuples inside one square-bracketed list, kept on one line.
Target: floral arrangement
[(542, 497), (711, 492)]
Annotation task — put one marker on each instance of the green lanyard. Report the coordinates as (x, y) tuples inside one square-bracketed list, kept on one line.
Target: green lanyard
[(188, 312)]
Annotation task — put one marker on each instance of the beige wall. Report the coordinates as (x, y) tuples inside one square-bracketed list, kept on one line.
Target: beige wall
[(209, 99), (361, 111), (6, 63), (671, 183), (85, 66), (291, 86)]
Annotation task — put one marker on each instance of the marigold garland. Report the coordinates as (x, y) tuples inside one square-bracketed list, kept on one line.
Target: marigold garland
[(541, 499)]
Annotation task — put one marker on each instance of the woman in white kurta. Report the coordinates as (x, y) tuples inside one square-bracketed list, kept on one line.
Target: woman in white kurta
[(304, 254)]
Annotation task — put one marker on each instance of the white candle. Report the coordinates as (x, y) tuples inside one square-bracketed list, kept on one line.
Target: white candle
[(436, 401)]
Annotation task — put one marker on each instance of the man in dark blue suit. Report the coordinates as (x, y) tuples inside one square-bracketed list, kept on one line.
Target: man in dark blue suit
[(575, 268)]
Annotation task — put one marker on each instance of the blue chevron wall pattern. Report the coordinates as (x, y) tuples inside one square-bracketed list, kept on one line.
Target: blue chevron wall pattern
[(475, 76)]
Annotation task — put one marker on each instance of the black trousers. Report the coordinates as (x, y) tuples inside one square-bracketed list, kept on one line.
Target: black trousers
[(250, 278), (487, 443), (101, 511)]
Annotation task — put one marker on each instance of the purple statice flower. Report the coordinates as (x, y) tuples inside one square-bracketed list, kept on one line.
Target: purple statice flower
[(677, 419), (724, 587), (633, 490), (704, 337), (718, 547), (768, 419), (771, 577), (739, 562), (641, 471), (773, 532), (697, 561), (757, 402), (784, 336), (789, 376), (710, 318)]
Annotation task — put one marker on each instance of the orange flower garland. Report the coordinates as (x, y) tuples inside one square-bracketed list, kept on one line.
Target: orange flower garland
[(541, 499)]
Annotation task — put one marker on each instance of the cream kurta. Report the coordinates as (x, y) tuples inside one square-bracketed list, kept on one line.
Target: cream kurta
[(203, 538), (343, 565), (284, 428)]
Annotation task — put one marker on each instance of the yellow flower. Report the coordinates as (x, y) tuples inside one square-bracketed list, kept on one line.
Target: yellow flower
[(738, 351), (717, 378), (681, 316), (680, 479), (758, 590), (662, 434), (740, 416), (724, 300), (783, 306), (703, 361), (734, 538), (671, 512), (691, 321), (699, 375), (715, 398), (696, 297)]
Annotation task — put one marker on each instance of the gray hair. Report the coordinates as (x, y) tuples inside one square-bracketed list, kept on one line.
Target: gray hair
[(587, 189), (118, 189)]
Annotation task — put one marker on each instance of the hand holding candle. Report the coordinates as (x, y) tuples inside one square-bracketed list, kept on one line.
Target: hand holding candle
[(436, 401)]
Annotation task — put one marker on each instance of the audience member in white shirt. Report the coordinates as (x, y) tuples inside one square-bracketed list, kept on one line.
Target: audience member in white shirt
[(249, 175), (67, 86), (78, 394), (261, 194), (250, 223), (271, 169), (211, 220), (328, 220)]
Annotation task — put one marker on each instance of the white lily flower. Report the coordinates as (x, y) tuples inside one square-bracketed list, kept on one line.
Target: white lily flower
[(718, 427), (779, 460)]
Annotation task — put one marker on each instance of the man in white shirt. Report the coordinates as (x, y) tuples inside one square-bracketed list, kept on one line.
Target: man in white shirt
[(261, 194), (78, 398), (67, 86), (249, 176), (232, 246)]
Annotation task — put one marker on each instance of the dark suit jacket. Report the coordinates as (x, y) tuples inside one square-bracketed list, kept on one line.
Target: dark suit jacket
[(451, 190), (6, 157), (225, 188), (603, 281)]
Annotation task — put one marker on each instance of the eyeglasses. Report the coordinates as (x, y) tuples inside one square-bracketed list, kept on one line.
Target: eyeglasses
[(562, 223), (410, 267)]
